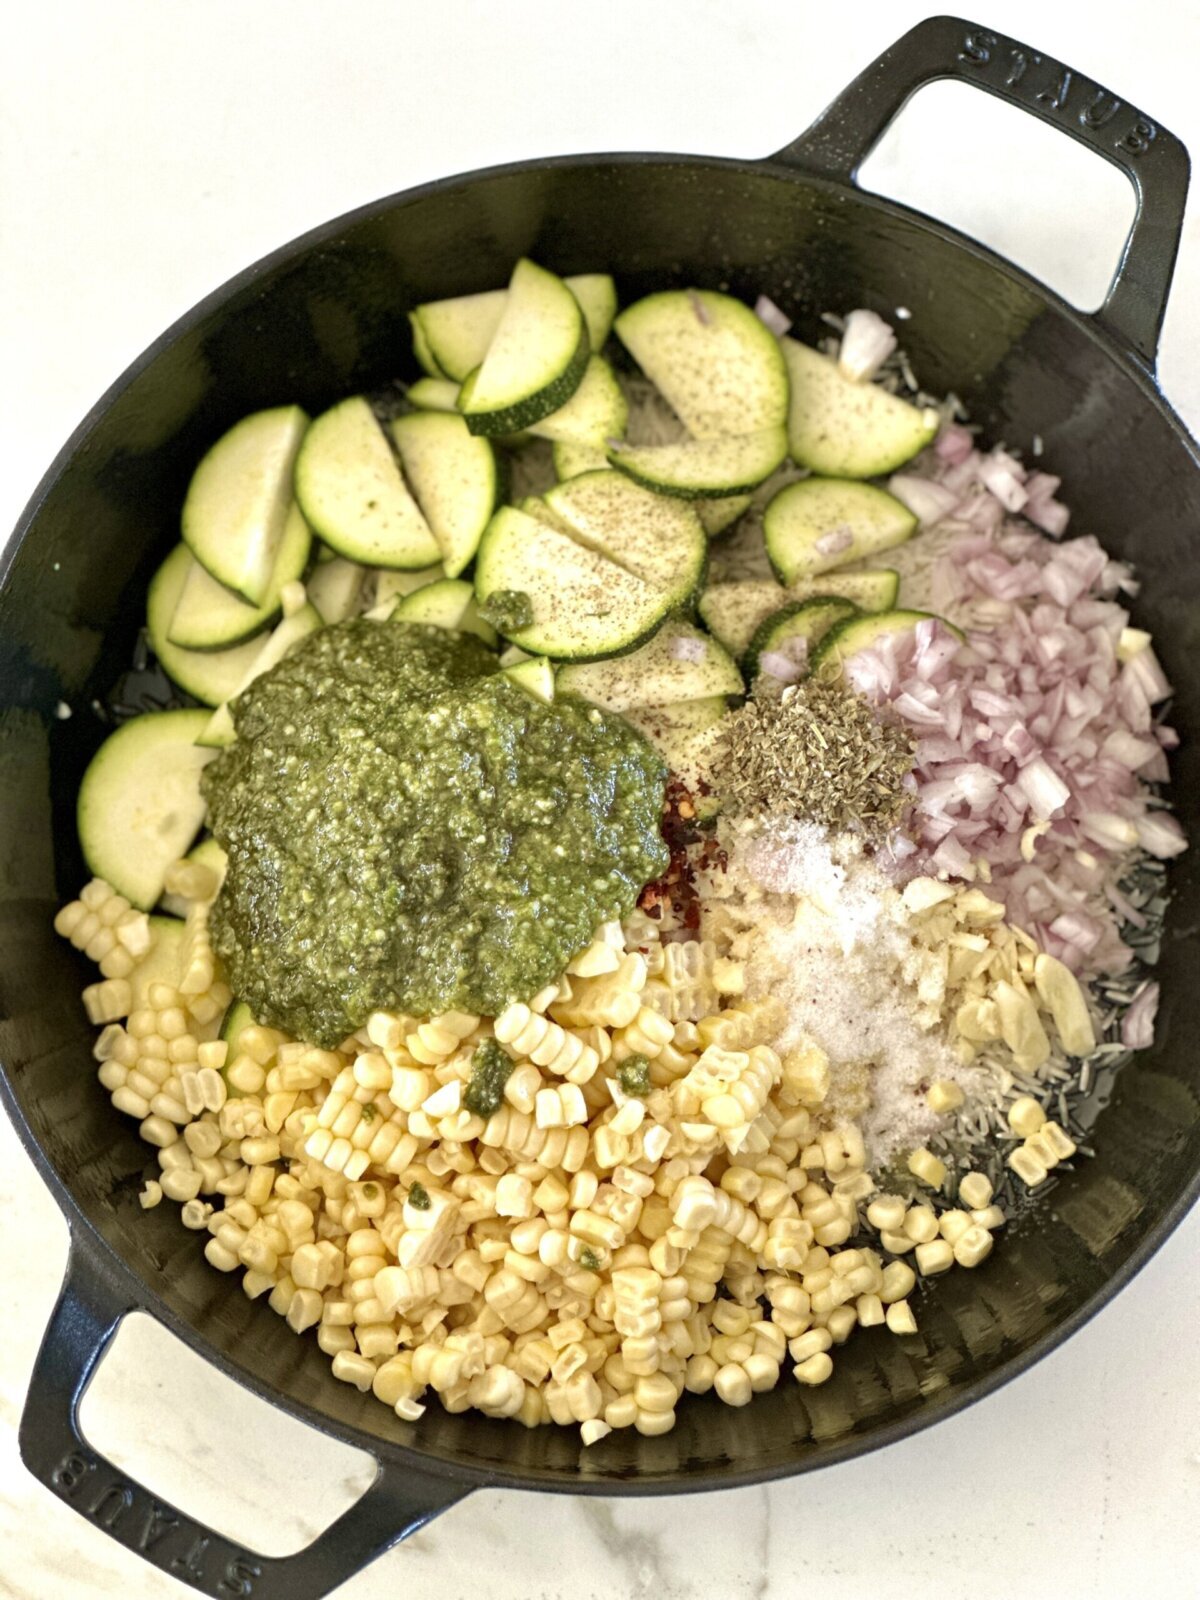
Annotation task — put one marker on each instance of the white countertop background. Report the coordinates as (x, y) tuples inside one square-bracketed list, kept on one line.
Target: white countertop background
[(150, 150)]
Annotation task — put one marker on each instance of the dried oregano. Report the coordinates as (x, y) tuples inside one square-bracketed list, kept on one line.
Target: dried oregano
[(818, 752)]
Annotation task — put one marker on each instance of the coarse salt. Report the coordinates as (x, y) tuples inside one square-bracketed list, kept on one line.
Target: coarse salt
[(821, 928)]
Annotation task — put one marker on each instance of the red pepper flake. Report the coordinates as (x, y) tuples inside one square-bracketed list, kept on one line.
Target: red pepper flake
[(690, 848)]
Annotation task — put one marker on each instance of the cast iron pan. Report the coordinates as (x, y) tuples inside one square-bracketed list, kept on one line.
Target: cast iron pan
[(325, 317)]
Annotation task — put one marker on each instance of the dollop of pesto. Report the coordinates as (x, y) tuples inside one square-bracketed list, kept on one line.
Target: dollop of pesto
[(491, 1068), (634, 1076), (508, 610), (407, 830)]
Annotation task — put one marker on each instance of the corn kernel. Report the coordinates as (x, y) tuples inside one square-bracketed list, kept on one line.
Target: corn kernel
[(900, 1318), (1025, 1115), (898, 1281), (944, 1095), (975, 1191), (934, 1257), (817, 1369), (1023, 1161), (927, 1169), (973, 1246)]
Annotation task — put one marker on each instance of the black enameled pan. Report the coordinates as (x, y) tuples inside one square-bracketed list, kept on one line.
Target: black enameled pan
[(325, 317)]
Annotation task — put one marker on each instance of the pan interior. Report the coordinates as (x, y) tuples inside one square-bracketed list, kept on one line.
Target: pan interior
[(326, 318)]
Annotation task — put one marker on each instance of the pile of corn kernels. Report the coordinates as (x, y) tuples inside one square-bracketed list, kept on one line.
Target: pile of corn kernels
[(582, 1256)]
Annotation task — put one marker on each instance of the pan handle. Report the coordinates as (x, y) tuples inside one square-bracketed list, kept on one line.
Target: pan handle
[(1154, 161), (90, 1307)]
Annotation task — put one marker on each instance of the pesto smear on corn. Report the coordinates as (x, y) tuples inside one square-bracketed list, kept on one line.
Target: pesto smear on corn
[(407, 830)]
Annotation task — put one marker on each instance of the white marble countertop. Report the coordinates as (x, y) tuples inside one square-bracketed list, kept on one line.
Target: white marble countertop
[(150, 151)]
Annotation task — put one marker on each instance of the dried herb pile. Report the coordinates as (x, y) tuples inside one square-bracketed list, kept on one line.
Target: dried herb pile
[(819, 753)]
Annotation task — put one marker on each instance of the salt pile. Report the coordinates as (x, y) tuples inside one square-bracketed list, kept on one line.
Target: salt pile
[(817, 925)]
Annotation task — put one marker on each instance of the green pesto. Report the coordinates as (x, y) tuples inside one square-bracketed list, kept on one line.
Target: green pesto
[(490, 1069), (407, 830), (508, 610), (634, 1076), (418, 1197)]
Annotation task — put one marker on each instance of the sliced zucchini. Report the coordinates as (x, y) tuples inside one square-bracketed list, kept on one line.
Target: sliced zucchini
[(535, 676), (584, 606), (350, 488), (794, 630), (597, 296), (715, 363), (207, 853), (698, 467), (239, 498), (820, 523), (732, 611), (596, 411), (570, 460), (395, 585), (335, 588), (140, 805), (689, 737), (219, 730), (434, 394), (449, 603), (861, 633), (534, 505), (536, 359), (717, 515), (678, 664), (451, 337), (657, 539), (238, 1018), (456, 480), (454, 334), (846, 429), (232, 1026), (208, 616), (208, 675), (423, 354), (873, 589)]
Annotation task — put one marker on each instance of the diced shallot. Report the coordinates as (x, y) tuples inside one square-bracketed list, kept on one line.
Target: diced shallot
[(1137, 1025), (1073, 927), (1036, 735), (835, 541), (769, 314), (1001, 475), (954, 444), (928, 500), (1043, 788), (866, 344), (1159, 833), (686, 648), (1145, 669), (776, 665)]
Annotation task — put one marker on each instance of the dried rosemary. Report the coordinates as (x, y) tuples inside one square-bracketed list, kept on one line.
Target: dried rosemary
[(818, 753)]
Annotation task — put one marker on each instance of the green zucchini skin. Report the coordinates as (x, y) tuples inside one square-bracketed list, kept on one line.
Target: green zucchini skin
[(802, 619)]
